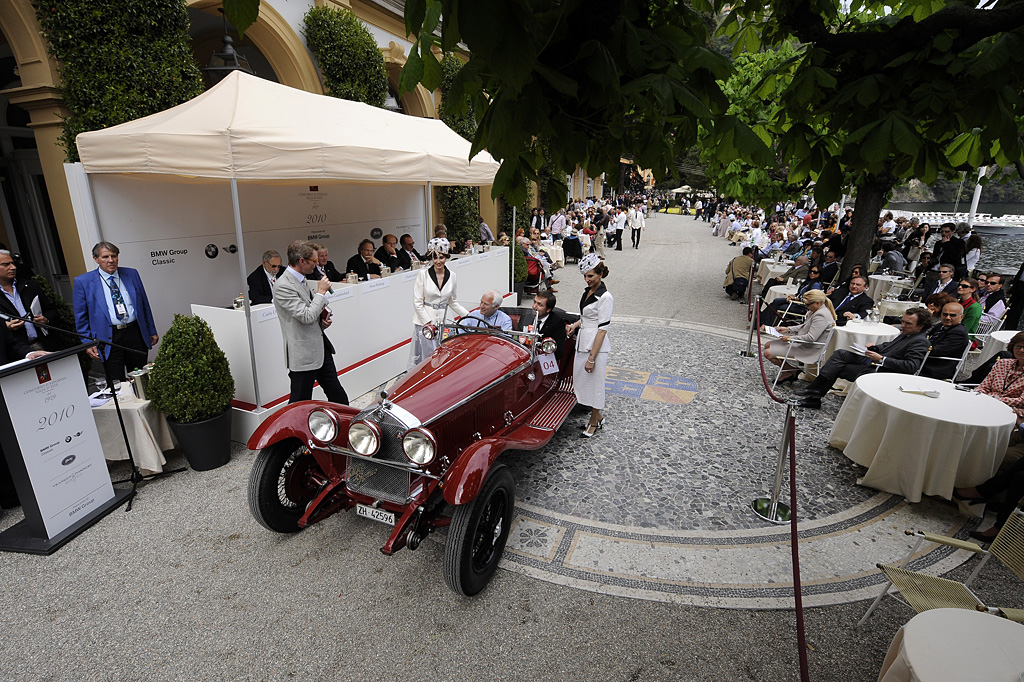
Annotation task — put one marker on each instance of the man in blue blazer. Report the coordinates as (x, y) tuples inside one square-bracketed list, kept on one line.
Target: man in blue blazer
[(111, 305)]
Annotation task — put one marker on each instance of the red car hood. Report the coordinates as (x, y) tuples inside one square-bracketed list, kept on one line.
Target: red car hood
[(455, 371)]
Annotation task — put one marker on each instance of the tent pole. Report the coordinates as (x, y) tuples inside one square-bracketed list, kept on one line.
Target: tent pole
[(245, 293)]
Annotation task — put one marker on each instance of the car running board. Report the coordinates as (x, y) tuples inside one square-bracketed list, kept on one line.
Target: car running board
[(554, 411)]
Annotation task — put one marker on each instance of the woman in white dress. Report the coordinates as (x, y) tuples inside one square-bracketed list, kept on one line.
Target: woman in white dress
[(821, 317), (592, 345), (433, 293)]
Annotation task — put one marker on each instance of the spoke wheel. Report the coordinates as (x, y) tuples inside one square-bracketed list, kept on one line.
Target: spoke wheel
[(478, 532), (280, 486)]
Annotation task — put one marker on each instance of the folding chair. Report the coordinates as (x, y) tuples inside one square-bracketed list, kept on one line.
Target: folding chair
[(985, 330), (923, 592), (817, 363), (960, 361)]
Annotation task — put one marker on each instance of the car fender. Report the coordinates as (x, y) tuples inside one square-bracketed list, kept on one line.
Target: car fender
[(291, 422), (466, 476)]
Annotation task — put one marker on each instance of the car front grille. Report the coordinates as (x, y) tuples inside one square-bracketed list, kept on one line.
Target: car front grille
[(378, 480)]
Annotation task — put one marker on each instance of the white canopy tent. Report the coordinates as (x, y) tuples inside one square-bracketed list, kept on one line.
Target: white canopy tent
[(163, 178)]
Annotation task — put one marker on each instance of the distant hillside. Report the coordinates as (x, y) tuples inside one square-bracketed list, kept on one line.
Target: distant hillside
[(1006, 187)]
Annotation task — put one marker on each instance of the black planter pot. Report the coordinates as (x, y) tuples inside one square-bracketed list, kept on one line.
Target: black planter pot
[(520, 289), (206, 444)]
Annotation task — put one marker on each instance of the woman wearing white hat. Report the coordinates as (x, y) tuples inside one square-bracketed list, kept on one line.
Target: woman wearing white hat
[(592, 345), (433, 294)]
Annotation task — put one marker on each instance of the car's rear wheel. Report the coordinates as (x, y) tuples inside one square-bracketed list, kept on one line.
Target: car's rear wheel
[(280, 486), (477, 535)]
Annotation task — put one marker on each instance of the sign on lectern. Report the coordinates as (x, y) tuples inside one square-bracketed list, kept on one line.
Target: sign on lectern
[(53, 451)]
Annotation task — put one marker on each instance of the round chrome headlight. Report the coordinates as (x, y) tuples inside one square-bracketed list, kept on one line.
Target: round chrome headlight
[(322, 425), (364, 438), (428, 331), (548, 345), (419, 446)]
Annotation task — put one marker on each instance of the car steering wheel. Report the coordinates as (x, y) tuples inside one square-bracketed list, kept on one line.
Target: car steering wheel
[(459, 323)]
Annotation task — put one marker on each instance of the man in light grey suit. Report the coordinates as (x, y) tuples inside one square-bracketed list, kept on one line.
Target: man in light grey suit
[(308, 352)]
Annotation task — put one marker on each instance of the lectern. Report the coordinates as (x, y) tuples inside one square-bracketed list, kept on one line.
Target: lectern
[(53, 451)]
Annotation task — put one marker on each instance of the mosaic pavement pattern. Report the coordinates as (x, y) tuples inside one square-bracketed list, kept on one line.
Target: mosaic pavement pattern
[(657, 506)]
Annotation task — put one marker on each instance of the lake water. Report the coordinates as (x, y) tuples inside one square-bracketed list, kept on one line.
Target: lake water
[(998, 253)]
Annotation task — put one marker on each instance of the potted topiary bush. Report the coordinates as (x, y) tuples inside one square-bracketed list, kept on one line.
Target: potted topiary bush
[(519, 271), (191, 384)]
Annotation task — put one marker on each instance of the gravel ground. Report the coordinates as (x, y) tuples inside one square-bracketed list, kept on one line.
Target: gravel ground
[(188, 586)]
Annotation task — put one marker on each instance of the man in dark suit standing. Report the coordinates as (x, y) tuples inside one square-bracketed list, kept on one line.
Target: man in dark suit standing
[(11, 349), (262, 279), (407, 254), (852, 302), (111, 305), (17, 302), (948, 339), (549, 322), (364, 264), (902, 355)]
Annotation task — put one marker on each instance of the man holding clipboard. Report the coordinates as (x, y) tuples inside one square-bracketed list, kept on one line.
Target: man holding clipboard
[(21, 299)]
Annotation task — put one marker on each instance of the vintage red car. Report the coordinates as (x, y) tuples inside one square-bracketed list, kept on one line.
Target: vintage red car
[(424, 456)]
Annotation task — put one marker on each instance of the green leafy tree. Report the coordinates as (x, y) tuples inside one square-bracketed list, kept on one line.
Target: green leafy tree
[(118, 60), (347, 53), (560, 84), (460, 205), (882, 93)]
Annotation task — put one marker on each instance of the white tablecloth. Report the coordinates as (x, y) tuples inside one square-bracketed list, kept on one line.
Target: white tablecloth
[(781, 291), (941, 645), (994, 344), (555, 252), (879, 284), (913, 444), (896, 308), (864, 333), (769, 268), (147, 430)]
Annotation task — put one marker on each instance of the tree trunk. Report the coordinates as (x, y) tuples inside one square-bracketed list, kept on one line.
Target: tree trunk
[(871, 194)]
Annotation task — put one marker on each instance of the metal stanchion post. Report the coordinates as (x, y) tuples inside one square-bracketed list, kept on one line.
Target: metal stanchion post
[(749, 353), (769, 508)]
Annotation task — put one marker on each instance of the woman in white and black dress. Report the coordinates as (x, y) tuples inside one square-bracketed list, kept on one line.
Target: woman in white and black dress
[(433, 293), (592, 345)]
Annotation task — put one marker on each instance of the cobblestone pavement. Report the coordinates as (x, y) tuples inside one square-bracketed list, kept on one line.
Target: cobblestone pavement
[(624, 546)]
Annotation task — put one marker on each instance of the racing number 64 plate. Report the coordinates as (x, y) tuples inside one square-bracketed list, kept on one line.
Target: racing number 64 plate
[(381, 515)]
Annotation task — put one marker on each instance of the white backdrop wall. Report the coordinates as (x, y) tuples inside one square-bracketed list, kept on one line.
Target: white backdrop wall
[(179, 232)]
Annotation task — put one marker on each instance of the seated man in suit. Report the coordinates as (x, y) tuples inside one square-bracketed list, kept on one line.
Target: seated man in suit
[(549, 322), (948, 340), (851, 303), (19, 295), (798, 272), (387, 254), (830, 267), (262, 279), (489, 314), (903, 355), (364, 264), (408, 253), (324, 267)]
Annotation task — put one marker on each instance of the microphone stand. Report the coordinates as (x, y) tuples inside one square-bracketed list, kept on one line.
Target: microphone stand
[(136, 476)]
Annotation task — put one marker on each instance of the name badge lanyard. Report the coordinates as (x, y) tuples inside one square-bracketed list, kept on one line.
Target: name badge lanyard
[(120, 309)]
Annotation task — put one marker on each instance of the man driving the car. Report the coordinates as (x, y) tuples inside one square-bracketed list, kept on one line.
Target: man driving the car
[(489, 314)]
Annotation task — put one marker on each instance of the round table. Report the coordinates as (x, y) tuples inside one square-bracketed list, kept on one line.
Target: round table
[(770, 268), (955, 644), (859, 331), (879, 284), (556, 254), (913, 444), (781, 291), (994, 344), (896, 308)]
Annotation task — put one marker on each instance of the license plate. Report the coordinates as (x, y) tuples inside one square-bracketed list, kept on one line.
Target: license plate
[(381, 515)]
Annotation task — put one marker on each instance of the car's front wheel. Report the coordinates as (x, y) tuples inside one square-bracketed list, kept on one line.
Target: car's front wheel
[(280, 486), (477, 535)]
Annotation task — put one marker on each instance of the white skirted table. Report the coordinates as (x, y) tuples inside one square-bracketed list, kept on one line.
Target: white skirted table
[(859, 331), (769, 268), (896, 308), (955, 644), (556, 254), (878, 285), (995, 343), (781, 291), (917, 445), (147, 430)]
